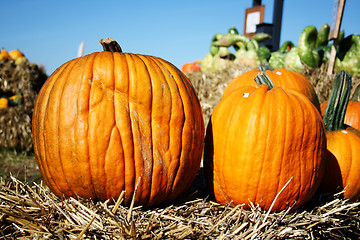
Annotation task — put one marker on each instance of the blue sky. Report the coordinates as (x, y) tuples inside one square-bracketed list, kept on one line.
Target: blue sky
[(49, 33)]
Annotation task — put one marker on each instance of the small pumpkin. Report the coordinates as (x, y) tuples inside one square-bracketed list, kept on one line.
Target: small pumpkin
[(4, 102), (261, 139), (110, 121), (4, 54), (281, 77), (352, 115), (191, 67), (343, 143), (15, 54)]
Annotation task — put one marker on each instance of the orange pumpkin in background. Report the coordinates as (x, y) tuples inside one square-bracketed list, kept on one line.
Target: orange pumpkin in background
[(4, 54), (281, 77), (260, 140), (112, 121), (191, 67)]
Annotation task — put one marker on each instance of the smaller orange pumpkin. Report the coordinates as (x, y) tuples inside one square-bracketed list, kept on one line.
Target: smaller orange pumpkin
[(263, 139), (192, 67)]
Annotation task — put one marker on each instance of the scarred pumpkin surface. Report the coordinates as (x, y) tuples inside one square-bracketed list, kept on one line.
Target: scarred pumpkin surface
[(105, 121)]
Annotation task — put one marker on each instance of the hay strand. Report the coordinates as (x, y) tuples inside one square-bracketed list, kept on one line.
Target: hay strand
[(33, 211)]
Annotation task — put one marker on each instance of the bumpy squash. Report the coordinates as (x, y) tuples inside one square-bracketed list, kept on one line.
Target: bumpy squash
[(259, 139), (112, 121)]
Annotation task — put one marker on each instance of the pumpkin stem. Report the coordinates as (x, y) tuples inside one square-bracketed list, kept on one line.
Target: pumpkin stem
[(264, 66), (110, 45), (338, 101), (263, 78)]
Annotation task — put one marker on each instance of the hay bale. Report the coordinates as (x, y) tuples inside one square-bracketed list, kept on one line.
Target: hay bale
[(15, 121), (34, 212)]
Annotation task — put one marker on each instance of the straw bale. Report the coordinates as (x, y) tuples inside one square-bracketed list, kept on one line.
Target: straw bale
[(34, 212), (15, 121)]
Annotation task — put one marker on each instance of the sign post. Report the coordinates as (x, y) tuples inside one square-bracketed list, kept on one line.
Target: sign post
[(253, 17), (340, 4)]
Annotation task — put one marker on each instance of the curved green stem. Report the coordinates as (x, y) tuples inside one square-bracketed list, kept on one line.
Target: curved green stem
[(263, 78), (323, 35), (338, 101), (307, 43), (286, 46), (263, 67), (233, 30), (213, 48)]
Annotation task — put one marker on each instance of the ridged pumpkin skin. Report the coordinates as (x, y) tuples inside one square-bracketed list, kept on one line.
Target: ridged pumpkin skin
[(103, 120), (281, 77), (257, 140), (343, 163), (352, 116)]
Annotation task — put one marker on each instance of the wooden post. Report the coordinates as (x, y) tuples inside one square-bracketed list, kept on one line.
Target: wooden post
[(334, 35), (256, 3), (277, 18)]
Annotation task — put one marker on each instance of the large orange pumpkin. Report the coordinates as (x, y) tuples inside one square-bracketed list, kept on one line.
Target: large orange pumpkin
[(342, 169), (106, 121), (260, 140), (281, 77)]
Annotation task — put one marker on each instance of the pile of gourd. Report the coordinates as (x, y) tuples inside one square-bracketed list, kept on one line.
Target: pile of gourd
[(113, 124), (312, 51), (20, 81), (247, 51)]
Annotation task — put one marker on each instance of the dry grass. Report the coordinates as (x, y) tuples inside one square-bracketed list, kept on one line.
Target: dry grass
[(33, 212)]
